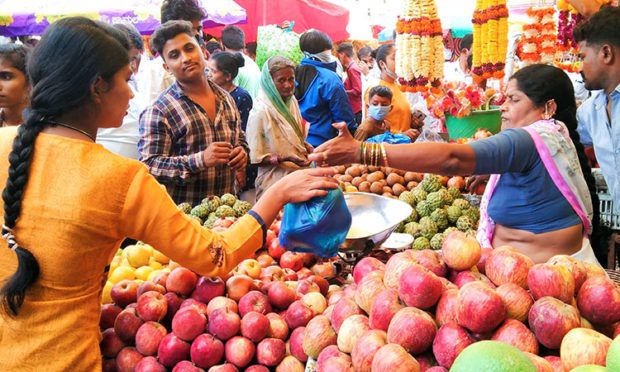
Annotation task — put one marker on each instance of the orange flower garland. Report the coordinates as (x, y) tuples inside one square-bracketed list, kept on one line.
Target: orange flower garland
[(490, 31), (419, 46), (539, 37)]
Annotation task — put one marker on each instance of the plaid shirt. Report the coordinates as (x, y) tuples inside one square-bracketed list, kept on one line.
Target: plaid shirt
[(173, 133)]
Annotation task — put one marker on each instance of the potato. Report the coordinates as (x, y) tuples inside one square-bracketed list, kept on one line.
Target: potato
[(388, 194), (356, 181), (394, 178), (376, 188), (444, 180), (398, 189), (387, 170), (411, 176), (376, 176), (350, 189), (340, 169), (346, 178), (411, 185), (354, 171), (364, 186), (400, 172), (387, 189), (372, 168)]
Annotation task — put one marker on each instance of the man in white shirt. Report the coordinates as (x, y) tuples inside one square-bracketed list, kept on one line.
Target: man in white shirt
[(460, 70), (248, 78), (124, 139)]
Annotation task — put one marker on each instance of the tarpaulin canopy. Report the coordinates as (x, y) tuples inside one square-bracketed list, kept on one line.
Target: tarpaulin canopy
[(321, 15), (20, 18)]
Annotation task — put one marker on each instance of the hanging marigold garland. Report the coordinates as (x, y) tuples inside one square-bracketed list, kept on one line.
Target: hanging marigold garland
[(490, 31), (538, 44), (419, 46)]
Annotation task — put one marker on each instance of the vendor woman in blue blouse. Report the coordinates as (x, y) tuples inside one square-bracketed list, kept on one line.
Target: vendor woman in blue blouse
[(540, 198)]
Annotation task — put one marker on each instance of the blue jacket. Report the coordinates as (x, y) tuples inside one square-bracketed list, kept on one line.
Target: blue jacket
[(322, 100)]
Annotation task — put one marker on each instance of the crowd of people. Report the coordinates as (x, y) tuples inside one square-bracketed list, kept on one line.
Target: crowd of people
[(94, 128)]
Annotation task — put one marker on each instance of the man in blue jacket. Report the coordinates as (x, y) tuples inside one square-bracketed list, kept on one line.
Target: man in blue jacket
[(320, 91)]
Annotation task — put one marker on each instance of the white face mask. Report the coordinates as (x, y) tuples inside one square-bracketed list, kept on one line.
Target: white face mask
[(325, 56), (390, 72)]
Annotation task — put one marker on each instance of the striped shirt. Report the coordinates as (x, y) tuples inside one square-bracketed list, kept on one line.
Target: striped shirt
[(173, 133)]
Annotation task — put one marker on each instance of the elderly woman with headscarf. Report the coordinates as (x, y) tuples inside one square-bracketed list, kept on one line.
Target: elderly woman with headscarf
[(276, 131)]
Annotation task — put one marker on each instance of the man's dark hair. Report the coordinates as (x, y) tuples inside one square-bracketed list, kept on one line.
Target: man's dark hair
[(167, 31), (380, 91), (213, 47), (346, 49), (181, 10), (251, 47), (135, 39), (466, 42), (364, 51), (314, 41), (603, 27), (233, 38)]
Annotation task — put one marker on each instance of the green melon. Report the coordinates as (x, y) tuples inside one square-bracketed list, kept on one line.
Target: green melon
[(590, 368), (492, 356), (613, 355)]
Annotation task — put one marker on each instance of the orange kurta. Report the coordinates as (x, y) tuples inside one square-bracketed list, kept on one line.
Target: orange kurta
[(81, 201), (400, 116)]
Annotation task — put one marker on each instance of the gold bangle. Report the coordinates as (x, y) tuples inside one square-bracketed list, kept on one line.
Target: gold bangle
[(374, 154), (384, 153), (377, 154)]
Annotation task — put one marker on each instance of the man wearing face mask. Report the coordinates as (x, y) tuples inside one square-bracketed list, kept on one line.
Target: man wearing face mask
[(378, 107), (320, 91)]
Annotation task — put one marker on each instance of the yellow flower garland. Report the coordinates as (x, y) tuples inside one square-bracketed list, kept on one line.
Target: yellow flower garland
[(490, 31)]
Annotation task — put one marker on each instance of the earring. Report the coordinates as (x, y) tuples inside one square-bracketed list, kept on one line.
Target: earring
[(546, 115)]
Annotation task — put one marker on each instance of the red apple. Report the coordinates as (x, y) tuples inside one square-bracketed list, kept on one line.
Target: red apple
[(110, 343), (412, 329), (349, 290), (343, 309), (324, 270), (201, 307), (290, 364), (298, 315), (447, 285), (599, 300), (172, 350), (257, 368), (109, 365), (149, 337), (270, 236), (315, 301), (515, 333), (207, 288), (306, 286), (446, 311), (431, 260), (321, 282), (437, 369), (576, 267), (224, 323), (275, 250), (594, 269), (551, 280), (149, 364), (304, 273), (127, 359), (152, 306), (485, 253), (238, 286), (350, 331), (318, 335), (506, 265), (254, 301), (150, 286), (550, 319), (226, 367), (291, 260), (254, 326), (556, 363), (272, 273), (270, 352), (206, 351), (583, 346), (517, 300), (296, 344), (479, 309), (394, 358), (161, 278), (419, 287), (367, 290), (249, 267), (221, 302), (331, 351), (383, 308), (365, 348), (126, 324), (394, 268), (186, 366), (188, 323), (124, 292), (334, 296), (277, 327), (460, 251), (365, 266), (336, 364), (265, 260), (541, 364), (460, 278), (281, 296), (450, 340), (181, 281), (109, 312), (239, 351), (174, 304)]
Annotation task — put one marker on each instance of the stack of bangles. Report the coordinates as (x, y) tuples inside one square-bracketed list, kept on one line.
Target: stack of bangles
[(373, 154)]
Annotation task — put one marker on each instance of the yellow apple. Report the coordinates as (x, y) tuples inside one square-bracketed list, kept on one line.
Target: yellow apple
[(143, 272), (160, 257), (154, 264), (138, 255), (122, 272), (153, 274), (106, 298)]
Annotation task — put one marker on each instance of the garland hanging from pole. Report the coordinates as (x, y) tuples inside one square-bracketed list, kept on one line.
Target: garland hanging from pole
[(539, 36), (490, 31), (419, 46)]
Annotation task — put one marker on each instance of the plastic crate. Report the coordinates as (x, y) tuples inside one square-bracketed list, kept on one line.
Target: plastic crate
[(607, 213)]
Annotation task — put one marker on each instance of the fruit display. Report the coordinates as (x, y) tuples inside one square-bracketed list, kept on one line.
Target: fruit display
[(217, 212)]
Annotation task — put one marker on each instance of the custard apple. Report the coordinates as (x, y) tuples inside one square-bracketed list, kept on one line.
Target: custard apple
[(455, 193), (437, 241), (241, 207), (209, 222), (419, 194), (473, 214), (434, 200), (213, 202), (464, 223), (413, 228), (424, 209), (201, 211), (446, 197), (185, 208), (440, 216), (413, 217), (430, 183), (453, 213), (428, 226), (225, 211), (196, 218), (407, 197), (228, 199), (421, 243), (462, 204)]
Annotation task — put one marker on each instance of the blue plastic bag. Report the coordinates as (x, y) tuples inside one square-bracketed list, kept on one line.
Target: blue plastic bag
[(318, 226), (392, 139)]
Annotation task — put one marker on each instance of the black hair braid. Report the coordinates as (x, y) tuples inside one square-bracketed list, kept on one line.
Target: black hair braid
[(14, 290)]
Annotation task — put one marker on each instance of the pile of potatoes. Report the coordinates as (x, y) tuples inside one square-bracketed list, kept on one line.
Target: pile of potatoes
[(384, 181)]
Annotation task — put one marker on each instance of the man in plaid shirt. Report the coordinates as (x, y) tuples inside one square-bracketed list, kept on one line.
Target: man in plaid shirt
[(191, 137)]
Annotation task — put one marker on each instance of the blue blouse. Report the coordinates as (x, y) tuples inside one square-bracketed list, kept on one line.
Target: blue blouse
[(244, 104), (525, 198)]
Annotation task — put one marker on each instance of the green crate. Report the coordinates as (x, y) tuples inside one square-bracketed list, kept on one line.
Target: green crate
[(467, 126)]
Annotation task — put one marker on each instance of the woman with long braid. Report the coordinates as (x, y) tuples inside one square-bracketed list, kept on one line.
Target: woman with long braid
[(541, 198), (69, 203)]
